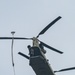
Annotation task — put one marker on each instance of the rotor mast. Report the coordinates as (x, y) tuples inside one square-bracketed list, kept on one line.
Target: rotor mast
[(35, 42)]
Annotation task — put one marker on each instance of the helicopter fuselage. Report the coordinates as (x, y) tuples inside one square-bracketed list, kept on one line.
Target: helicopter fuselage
[(39, 63)]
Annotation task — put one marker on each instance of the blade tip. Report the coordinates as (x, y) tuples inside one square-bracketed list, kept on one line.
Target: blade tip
[(62, 52), (60, 17), (19, 52)]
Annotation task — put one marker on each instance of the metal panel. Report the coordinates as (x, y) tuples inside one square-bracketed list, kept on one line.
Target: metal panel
[(41, 66)]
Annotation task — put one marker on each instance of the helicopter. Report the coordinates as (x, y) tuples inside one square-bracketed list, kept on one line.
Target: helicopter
[(37, 58)]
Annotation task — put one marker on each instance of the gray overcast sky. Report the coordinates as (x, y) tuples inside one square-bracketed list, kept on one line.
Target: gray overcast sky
[(28, 18)]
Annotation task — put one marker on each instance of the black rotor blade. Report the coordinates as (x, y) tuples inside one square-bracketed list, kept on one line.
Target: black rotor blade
[(48, 26), (19, 38), (51, 47), (24, 55), (67, 69)]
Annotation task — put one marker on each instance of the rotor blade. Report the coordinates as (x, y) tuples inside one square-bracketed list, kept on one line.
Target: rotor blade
[(18, 38), (51, 47), (67, 69), (23, 55), (48, 26)]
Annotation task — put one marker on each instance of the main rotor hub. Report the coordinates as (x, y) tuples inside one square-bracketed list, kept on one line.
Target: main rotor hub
[(35, 42)]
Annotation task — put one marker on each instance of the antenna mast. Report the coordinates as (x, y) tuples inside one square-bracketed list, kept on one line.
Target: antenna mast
[(13, 32)]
